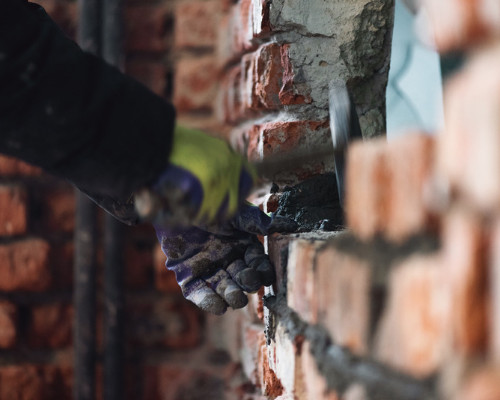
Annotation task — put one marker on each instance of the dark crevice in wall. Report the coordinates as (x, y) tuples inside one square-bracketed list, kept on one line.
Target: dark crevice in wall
[(340, 367)]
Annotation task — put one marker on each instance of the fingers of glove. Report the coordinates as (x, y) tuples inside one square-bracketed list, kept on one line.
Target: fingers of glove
[(251, 219), (247, 278), (256, 259), (222, 283), (204, 297)]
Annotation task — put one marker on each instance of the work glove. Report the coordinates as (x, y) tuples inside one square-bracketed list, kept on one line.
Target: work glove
[(215, 264), (205, 182)]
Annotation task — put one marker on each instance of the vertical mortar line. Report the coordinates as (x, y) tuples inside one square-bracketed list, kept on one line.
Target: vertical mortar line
[(114, 315), (85, 246)]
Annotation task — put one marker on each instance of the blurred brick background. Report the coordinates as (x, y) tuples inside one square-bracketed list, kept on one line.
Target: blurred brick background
[(403, 304)]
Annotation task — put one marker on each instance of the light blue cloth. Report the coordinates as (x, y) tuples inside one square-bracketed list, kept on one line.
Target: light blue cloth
[(414, 92)]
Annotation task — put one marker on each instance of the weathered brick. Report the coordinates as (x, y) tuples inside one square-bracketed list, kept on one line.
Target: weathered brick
[(282, 357), (229, 107), (34, 382), (341, 298), (290, 93), (411, 158), (24, 265), (164, 279), (61, 259), (467, 282), (300, 278), (8, 325), (195, 84), (459, 24), (150, 73), (252, 340), (268, 381), (278, 251), (13, 210), (469, 148), (10, 166), (145, 28), (57, 209), (367, 188), (414, 327), (172, 323), (224, 332), (262, 78), (50, 326), (196, 23), (315, 384)]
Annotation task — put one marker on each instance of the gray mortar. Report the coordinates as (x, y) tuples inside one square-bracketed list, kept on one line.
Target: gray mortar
[(344, 41), (313, 204), (340, 367)]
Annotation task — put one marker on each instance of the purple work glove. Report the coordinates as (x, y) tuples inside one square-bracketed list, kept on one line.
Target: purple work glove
[(214, 265)]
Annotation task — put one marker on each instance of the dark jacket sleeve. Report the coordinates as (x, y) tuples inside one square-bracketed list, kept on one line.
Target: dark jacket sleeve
[(72, 114)]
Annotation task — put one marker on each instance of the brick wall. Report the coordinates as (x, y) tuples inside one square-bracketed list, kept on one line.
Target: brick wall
[(170, 354), (403, 304)]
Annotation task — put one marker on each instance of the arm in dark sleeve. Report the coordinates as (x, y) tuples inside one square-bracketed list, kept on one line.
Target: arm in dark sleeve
[(72, 114)]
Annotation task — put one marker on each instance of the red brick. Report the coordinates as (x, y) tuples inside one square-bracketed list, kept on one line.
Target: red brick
[(164, 279), (467, 282), (253, 339), (33, 382), (57, 209), (24, 265), (10, 166), (8, 325), (411, 158), (270, 384), (230, 108), (195, 84), (367, 189), (145, 28), (236, 33), (138, 267), (469, 148), (13, 210), (151, 74), (261, 78), (171, 323), (289, 93), (61, 258), (481, 385), (300, 278), (284, 357), (341, 298), (414, 327), (315, 383), (196, 23), (50, 326), (459, 24)]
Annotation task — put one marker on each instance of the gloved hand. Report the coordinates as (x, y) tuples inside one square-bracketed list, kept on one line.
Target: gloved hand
[(205, 182), (215, 265)]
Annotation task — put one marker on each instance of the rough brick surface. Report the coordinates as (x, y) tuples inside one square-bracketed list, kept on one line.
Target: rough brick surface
[(315, 383), (145, 28), (412, 160), (468, 149), (300, 278), (467, 282), (253, 338), (151, 74), (341, 299), (50, 326), (57, 209), (481, 385), (13, 210), (456, 24), (414, 329), (195, 84), (34, 382), (196, 23), (8, 325), (366, 188), (24, 265)]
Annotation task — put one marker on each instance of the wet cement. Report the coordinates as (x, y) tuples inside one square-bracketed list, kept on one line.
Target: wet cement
[(313, 204)]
